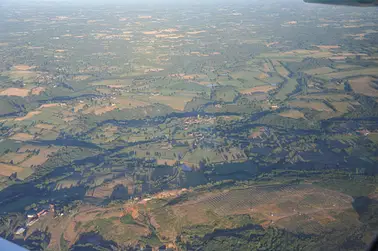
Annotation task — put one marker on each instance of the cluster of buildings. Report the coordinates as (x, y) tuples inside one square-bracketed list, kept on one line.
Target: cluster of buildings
[(33, 216)]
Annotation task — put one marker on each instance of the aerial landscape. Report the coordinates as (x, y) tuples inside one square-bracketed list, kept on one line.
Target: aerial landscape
[(201, 126)]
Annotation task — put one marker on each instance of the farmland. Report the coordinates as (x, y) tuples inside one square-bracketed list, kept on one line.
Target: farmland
[(194, 127)]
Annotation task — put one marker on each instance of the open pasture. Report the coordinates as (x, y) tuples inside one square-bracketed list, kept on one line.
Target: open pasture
[(176, 102), (351, 73), (287, 88), (314, 105), (263, 88), (365, 85)]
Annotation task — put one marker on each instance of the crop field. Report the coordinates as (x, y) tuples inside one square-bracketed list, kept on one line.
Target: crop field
[(319, 71), (294, 114), (263, 88), (318, 106), (20, 92), (246, 75), (347, 66), (7, 169), (286, 89), (26, 76), (44, 126), (14, 157), (199, 154), (22, 136), (352, 73), (40, 158), (114, 83), (282, 71), (98, 110), (169, 162), (22, 67), (324, 96), (176, 102), (365, 85), (344, 106)]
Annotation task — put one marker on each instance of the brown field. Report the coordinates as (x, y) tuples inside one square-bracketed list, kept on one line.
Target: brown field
[(22, 136), (263, 75), (20, 92), (177, 103), (28, 116), (335, 97), (116, 86), (7, 170), (321, 70), (15, 157), (295, 114), (105, 190), (4, 44), (126, 102), (81, 77), (49, 105), (318, 106), (169, 162), (328, 47), (44, 126), (23, 67), (41, 158), (37, 90), (364, 85), (263, 88), (105, 109), (196, 32), (98, 110), (282, 71)]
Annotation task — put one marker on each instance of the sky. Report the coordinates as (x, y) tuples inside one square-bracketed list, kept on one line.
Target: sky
[(125, 2)]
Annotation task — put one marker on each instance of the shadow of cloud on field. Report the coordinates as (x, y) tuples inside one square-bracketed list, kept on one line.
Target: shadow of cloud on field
[(367, 210)]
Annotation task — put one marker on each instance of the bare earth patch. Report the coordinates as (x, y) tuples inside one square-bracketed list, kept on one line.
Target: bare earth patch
[(23, 67), (20, 92), (49, 105)]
